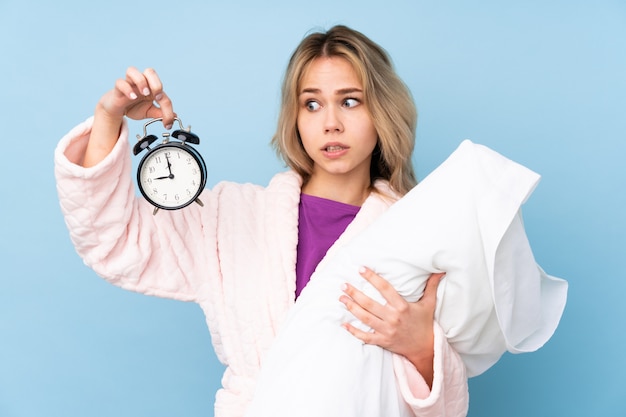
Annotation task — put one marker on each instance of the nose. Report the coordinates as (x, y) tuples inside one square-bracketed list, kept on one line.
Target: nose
[(332, 121)]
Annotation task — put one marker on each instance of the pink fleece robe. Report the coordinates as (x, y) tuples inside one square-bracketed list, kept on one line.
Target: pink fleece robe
[(235, 257)]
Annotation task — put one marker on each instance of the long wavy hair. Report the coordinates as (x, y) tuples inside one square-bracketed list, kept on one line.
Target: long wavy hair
[(387, 98)]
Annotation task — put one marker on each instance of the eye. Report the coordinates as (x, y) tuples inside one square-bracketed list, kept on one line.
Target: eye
[(351, 102), (312, 105)]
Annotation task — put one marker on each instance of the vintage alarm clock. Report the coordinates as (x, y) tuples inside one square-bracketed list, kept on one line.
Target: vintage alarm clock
[(172, 174)]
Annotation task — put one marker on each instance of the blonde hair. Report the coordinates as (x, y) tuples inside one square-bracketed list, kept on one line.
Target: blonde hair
[(387, 98)]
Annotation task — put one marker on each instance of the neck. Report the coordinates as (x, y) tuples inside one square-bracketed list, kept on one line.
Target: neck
[(351, 191)]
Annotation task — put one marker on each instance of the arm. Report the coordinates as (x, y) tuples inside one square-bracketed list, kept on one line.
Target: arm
[(114, 232), (448, 395)]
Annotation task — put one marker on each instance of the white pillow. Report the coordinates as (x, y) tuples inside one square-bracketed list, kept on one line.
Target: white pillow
[(463, 219)]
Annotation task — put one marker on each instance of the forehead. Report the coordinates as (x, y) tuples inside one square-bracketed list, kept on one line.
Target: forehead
[(328, 73)]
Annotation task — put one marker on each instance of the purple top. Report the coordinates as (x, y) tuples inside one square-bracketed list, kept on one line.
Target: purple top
[(321, 222)]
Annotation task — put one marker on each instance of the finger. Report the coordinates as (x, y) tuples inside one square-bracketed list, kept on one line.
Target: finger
[(364, 301), (383, 286), (126, 89), (138, 81), (154, 83), (430, 292), (363, 314), (160, 97), (166, 110), (369, 338)]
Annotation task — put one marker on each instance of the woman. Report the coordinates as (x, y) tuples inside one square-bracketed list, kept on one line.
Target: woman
[(346, 130)]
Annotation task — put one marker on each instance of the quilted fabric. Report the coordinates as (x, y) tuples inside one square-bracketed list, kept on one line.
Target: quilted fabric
[(235, 257)]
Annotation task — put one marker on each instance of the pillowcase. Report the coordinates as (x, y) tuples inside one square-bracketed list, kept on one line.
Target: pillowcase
[(463, 219)]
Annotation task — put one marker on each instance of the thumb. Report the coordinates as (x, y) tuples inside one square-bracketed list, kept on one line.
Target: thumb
[(430, 292)]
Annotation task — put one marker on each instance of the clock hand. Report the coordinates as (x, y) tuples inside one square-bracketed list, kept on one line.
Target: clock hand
[(169, 168)]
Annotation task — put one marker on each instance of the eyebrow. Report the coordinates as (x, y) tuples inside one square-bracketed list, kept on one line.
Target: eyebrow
[(341, 91)]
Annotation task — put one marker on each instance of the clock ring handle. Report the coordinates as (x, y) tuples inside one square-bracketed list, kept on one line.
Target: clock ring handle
[(158, 119), (182, 134)]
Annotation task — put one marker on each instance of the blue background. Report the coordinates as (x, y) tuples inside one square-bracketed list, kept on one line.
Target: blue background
[(543, 82)]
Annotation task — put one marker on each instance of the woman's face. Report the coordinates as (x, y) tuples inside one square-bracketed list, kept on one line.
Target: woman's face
[(334, 123)]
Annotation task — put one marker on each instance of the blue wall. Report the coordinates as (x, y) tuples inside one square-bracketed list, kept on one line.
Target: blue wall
[(543, 82)]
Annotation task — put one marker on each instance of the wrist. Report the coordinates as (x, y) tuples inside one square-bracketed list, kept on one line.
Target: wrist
[(104, 134), (105, 117), (423, 359)]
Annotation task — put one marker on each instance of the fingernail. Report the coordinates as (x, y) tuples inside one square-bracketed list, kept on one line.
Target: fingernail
[(168, 127), (344, 286), (146, 91), (158, 97), (362, 270), (133, 96)]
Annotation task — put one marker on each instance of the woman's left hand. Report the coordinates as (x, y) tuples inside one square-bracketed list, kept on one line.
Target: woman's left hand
[(399, 326)]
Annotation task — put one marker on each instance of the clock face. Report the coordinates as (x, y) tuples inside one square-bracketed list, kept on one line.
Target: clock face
[(171, 176)]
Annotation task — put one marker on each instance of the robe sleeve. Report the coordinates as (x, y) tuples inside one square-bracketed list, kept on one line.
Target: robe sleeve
[(449, 396), (116, 233)]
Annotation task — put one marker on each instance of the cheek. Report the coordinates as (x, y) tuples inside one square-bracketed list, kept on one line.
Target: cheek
[(303, 124), (369, 132), (300, 124), (364, 124)]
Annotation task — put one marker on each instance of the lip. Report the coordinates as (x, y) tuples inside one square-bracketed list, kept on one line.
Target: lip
[(335, 153), (343, 147)]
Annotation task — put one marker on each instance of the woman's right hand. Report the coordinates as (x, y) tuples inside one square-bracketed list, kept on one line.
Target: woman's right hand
[(135, 97), (138, 96)]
